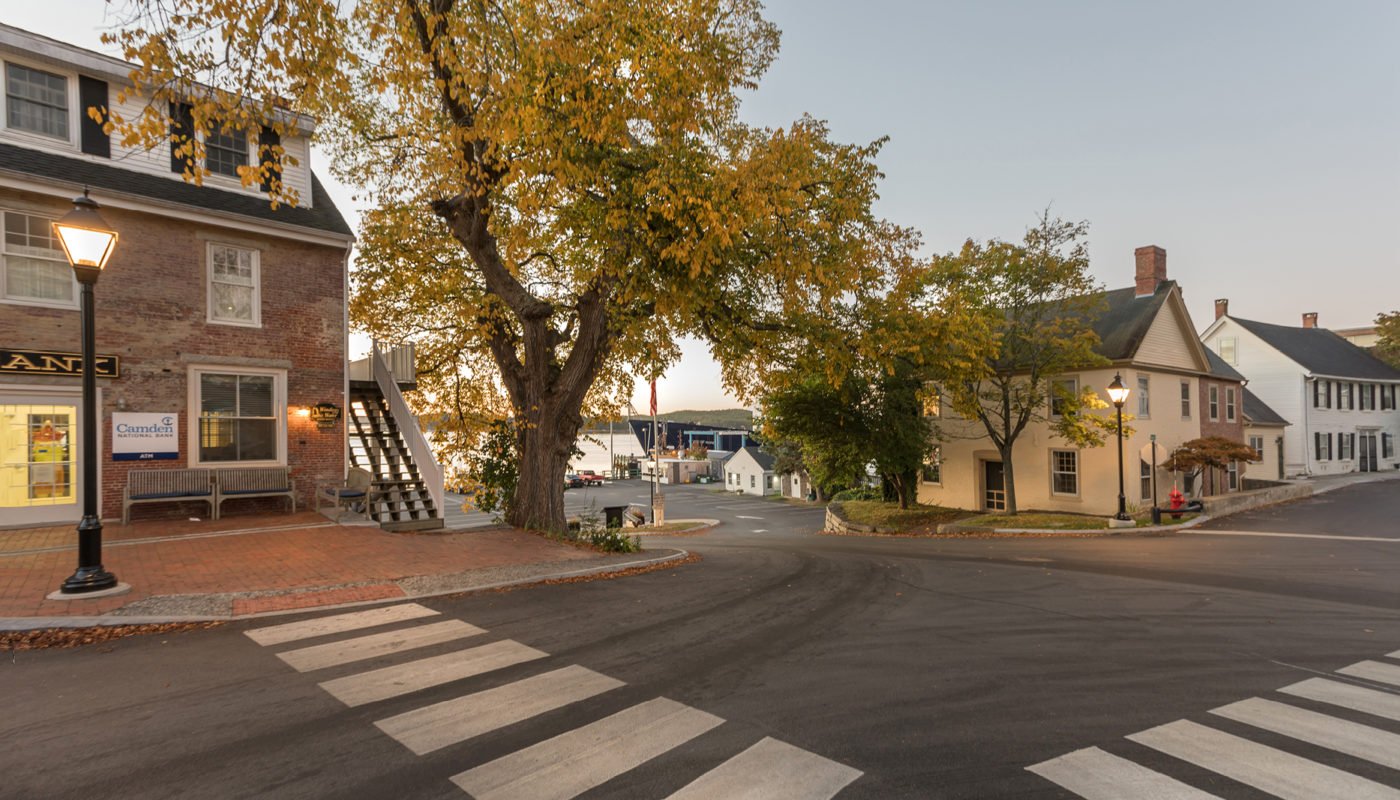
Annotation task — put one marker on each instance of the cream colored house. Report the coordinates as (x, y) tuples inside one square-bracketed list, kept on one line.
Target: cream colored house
[(1147, 335)]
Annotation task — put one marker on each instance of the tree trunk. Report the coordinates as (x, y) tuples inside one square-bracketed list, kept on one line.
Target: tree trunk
[(544, 445), (1008, 476)]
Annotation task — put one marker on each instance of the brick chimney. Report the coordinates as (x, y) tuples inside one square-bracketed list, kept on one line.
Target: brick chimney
[(1222, 307), (1310, 319), (1151, 269)]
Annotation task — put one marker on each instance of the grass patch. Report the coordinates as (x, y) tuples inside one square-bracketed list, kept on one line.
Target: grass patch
[(890, 515), (665, 527), (1040, 520), (1146, 522)]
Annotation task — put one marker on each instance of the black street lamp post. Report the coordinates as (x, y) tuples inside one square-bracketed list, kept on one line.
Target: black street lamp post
[(1118, 393), (87, 242)]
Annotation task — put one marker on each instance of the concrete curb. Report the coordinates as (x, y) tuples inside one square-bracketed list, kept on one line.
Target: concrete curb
[(700, 525), (38, 623)]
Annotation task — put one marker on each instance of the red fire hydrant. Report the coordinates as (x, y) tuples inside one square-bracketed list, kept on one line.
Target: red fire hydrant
[(1177, 500)]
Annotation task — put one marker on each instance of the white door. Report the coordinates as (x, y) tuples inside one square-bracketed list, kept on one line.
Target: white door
[(39, 459)]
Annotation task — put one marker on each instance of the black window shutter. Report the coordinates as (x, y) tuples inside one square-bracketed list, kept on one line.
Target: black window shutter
[(94, 140), (1317, 394), (181, 131), (268, 139), (1351, 398)]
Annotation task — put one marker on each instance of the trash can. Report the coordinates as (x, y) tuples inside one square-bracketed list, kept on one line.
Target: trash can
[(613, 515)]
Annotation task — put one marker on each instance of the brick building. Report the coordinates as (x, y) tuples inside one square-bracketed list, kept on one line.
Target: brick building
[(220, 317)]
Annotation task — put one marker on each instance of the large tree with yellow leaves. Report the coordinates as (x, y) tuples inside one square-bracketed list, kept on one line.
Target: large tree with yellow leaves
[(557, 190)]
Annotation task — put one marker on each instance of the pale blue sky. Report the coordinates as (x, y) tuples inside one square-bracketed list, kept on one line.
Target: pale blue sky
[(1258, 142)]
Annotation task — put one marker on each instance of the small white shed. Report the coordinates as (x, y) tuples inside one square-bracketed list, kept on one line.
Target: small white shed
[(750, 471)]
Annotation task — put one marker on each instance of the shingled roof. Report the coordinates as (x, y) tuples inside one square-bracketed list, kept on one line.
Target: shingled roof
[(1220, 369), (1258, 412), (1125, 319), (1321, 351), (321, 216)]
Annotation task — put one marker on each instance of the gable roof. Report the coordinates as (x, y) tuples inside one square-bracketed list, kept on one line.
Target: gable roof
[(1125, 320), (1321, 351), (321, 216), (764, 460), (1258, 412), (1220, 369)]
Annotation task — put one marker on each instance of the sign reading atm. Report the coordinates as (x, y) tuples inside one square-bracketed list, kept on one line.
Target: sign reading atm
[(45, 362)]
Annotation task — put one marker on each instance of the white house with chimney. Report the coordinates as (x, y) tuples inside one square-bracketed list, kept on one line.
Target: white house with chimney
[(1339, 400)]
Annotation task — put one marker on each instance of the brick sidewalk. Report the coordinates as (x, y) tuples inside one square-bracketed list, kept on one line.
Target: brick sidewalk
[(331, 564)]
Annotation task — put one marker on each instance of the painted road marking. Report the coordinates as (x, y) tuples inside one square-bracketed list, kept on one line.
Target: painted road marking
[(1095, 774), (1356, 698), (1268, 769), (400, 679), (322, 626), (1392, 540), (741, 516), (760, 530), (1362, 741), (771, 770), (574, 762), (436, 726), (378, 644), (1374, 671)]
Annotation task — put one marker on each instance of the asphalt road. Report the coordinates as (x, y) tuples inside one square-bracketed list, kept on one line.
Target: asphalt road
[(933, 668)]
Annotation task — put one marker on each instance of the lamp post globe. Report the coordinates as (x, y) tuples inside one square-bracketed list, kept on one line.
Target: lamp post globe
[(1118, 393), (88, 242)]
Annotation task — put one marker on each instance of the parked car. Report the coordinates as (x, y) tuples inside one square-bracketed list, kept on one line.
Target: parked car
[(590, 478), (572, 481)]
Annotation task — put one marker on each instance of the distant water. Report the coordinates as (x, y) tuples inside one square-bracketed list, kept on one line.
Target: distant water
[(596, 453)]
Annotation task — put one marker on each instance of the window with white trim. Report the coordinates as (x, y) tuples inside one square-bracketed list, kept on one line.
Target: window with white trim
[(1214, 403), (1186, 399), (1063, 394), (1064, 472), (1322, 446), (932, 471), (235, 296), (1226, 350), (1387, 446), (36, 101), (240, 415), (1346, 445), (1229, 404), (1256, 443), (1145, 473), (753, 481), (33, 268), (1144, 398), (1233, 471), (225, 152), (1368, 397)]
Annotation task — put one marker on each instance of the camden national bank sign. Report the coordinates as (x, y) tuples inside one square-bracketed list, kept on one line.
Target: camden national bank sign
[(145, 437)]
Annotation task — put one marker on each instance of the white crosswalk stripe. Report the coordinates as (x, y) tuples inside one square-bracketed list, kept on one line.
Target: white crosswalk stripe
[(1354, 739), (771, 770), (1374, 671), (1271, 770), (574, 762), (1095, 774), (400, 679), (340, 623), (334, 653), (436, 726), (1356, 698)]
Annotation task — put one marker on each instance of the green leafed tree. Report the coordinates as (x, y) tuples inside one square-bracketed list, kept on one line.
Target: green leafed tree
[(555, 189), (1388, 347), (1033, 303)]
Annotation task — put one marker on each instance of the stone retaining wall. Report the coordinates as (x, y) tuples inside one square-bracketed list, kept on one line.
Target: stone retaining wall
[(836, 522), (1226, 504)]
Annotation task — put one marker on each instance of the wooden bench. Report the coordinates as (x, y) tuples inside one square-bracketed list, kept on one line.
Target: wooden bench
[(169, 486), (234, 484)]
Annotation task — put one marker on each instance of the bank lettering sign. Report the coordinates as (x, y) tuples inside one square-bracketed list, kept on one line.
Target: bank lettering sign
[(47, 362), (145, 437)]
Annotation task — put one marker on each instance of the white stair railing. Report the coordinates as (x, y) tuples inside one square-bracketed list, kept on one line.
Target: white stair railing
[(428, 467)]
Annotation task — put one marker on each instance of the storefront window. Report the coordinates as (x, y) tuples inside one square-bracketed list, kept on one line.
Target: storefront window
[(36, 455), (237, 417)]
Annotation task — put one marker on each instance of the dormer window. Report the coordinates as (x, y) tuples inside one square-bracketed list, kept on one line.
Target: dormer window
[(36, 101), (225, 152)]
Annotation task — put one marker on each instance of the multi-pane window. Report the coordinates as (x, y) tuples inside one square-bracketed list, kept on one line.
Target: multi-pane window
[(1186, 400), (1233, 471), (1214, 394), (932, 471), (1346, 445), (238, 416), (234, 295), (1227, 350), (1144, 399), (1229, 404), (1387, 446), (1145, 472), (225, 152), (36, 101), (1387, 398), (1368, 397), (1322, 446), (1064, 472), (1346, 396), (32, 265), (1063, 394), (1256, 443)]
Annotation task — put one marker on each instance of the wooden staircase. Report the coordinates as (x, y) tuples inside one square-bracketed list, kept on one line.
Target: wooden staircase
[(377, 445)]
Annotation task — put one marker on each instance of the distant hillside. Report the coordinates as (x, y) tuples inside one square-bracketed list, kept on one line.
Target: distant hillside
[(735, 418)]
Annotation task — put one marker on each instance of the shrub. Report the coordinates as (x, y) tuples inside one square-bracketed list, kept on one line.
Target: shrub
[(862, 493)]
